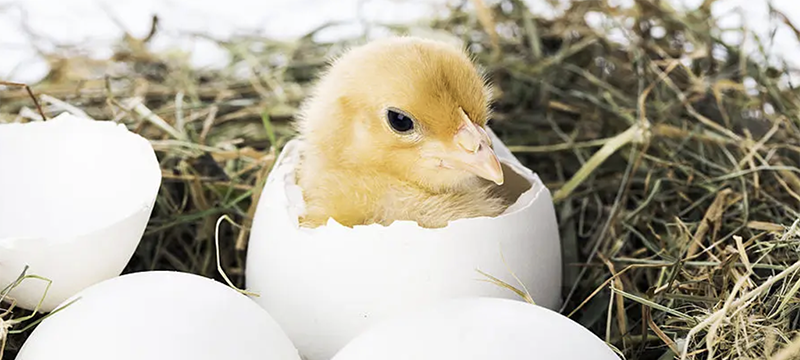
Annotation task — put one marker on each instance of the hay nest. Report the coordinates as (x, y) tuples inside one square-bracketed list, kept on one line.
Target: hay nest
[(673, 157)]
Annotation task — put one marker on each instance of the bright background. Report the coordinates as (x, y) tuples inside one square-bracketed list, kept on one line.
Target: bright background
[(26, 25)]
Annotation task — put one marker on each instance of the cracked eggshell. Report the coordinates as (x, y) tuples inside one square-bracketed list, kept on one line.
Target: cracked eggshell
[(75, 197), (326, 285), (159, 315), (478, 329)]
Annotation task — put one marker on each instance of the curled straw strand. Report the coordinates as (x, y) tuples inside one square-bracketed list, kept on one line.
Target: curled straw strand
[(219, 261)]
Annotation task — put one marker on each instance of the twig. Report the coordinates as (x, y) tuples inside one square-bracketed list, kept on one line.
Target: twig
[(30, 93)]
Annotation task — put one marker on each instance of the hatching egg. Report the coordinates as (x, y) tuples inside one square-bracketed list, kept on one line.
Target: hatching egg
[(477, 329), (327, 284), (75, 197), (159, 315)]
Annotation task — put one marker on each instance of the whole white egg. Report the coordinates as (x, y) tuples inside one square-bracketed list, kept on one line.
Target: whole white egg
[(478, 329), (159, 315), (328, 284), (75, 197)]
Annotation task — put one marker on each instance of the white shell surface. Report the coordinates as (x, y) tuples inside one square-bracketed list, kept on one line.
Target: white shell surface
[(326, 285), (159, 315), (75, 198), (478, 329)]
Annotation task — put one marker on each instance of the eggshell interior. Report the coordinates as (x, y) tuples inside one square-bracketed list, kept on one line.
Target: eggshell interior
[(478, 329), (159, 315), (75, 197), (326, 285)]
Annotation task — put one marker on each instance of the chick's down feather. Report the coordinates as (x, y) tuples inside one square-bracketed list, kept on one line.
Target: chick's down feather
[(394, 130)]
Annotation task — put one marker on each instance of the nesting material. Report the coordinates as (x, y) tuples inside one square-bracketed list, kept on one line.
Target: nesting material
[(205, 320), (478, 329), (325, 285), (75, 197)]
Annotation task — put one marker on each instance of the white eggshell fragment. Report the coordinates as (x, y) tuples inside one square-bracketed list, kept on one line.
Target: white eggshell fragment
[(75, 197), (159, 315), (326, 285), (478, 329)]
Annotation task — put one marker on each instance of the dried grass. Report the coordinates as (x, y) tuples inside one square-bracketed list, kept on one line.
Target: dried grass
[(676, 182)]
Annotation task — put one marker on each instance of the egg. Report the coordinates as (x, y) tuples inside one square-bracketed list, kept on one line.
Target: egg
[(75, 197), (327, 284), (478, 329), (159, 315)]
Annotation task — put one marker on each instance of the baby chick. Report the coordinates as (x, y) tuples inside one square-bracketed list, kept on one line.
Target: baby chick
[(394, 130)]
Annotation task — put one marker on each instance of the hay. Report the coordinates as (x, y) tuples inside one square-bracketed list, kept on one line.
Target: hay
[(673, 160)]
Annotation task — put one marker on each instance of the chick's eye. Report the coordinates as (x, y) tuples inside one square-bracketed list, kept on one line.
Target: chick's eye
[(400, 122)]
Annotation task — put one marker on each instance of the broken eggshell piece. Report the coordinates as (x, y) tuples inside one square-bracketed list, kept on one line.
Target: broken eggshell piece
[(75, 197), (326, 285)]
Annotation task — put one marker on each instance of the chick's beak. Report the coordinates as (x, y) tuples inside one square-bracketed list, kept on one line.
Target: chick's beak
[(473, 153)]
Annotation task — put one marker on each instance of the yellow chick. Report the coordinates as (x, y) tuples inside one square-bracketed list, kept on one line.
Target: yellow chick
[(394, 130)]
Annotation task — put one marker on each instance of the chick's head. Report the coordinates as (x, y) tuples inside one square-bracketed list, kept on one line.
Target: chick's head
[(410, 107)]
